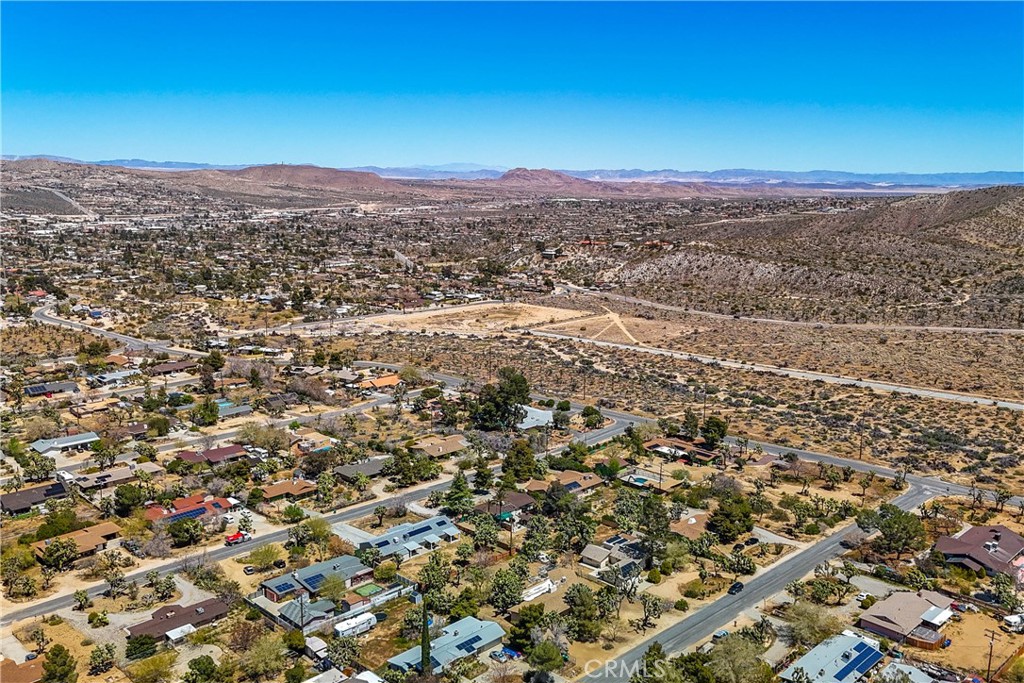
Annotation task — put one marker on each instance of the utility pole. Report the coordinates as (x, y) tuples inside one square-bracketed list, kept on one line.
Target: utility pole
[(991, 644), (704, 409)]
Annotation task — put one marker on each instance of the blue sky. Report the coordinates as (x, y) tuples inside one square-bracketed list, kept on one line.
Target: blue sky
[(918, 87)]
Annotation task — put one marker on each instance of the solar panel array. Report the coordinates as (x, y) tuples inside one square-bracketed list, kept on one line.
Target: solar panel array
[(865, 658), (188, 514), (469, 645), (284, 587), (314, 581)]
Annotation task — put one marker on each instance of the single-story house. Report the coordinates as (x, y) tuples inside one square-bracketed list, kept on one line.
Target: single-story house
[(89, 540), (94, 407), (171, 368), (76, 442), (174, 622), (514, 504), (410, 538), (213, 456), (230, 383), (915, 618), (279, 402), (105, 379), (310, 578), (312, 440), (580, 483), (109, 478), (466, 637), (440, 446), (17, 502), (302, 612), (995, 548), (900, 671), (369, 468), (25, 672), (198, 506), (535, 417), (290, 489), (234, 411), (50, 389), (617, 550), (382, 382), (840, 659)]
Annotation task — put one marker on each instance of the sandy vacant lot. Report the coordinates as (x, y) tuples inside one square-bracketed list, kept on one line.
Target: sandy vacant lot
[(969, 649), (984, 364), (481, 319)]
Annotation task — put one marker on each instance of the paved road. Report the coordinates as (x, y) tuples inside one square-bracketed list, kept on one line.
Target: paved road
[(43, 315), (791, 323), (789, 372), (698, 625), (214, 555)]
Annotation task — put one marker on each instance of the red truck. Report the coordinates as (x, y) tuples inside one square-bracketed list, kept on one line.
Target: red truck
[(240, 537)]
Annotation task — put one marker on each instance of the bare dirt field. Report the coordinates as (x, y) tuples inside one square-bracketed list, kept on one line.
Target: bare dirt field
[(481, 319), (969, 649), (984, 364)]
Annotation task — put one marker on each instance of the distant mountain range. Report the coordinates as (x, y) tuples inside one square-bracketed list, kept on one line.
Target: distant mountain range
[(739, 176)]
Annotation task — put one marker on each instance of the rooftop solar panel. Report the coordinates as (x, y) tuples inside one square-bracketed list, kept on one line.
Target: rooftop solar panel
[(864, 660), (314, 581), (284, 587), (419, 530)]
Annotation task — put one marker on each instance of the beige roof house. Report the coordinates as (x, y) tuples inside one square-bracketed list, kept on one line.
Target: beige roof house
[(441, 446)]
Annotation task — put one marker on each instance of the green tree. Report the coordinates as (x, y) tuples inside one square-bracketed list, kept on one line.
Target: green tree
[(293, 513), (731, 519), (546, 656), (519, 462), (127, 499), (458, 500), (436, 573), (506, 590), (101, 659), (736, 659), (264, 556), (59, 553), (899, 531), (157, 669), (185, 532), (520, 637), (343, 651), (294, 640), (653, 607), (714, 431), (333, 588), (140, 646), (264, 658), (59, 666), (811, 624)]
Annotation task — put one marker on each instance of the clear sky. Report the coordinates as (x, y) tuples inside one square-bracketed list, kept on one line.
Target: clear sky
[(874, 86)]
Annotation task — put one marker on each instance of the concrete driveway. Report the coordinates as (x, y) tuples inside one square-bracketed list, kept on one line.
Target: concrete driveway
[(12, 648)]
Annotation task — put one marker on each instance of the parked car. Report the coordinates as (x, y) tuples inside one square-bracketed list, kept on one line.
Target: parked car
[(280, 564), (738, 548), (499, 656), (861, 597), (718, 635), (511, 654), (753, 540), (249, 570), (30, 656), (735, 588)]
